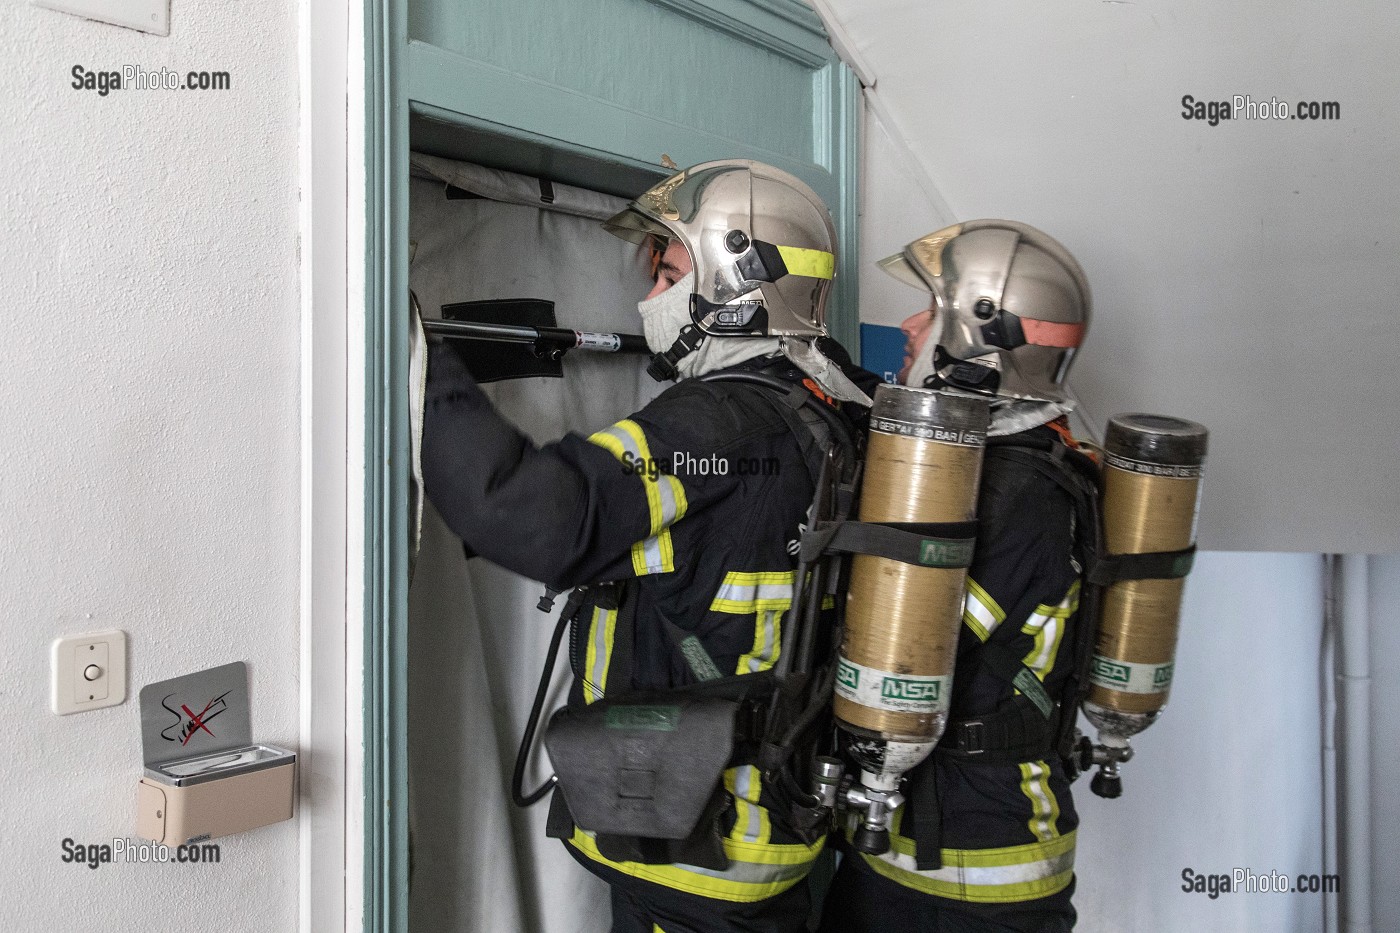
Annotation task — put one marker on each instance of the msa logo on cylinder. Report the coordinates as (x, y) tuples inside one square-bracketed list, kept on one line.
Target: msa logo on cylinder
[(1114, 673), (946, 554), (847, 676), (897, 688)]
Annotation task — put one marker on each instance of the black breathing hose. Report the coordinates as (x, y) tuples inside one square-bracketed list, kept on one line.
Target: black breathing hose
[(522, 755)]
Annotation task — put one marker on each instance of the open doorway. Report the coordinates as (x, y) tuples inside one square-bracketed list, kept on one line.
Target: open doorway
[(476, 639), (519, 88)]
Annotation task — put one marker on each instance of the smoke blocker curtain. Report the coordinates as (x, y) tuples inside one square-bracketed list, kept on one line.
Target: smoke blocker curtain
[(476, 641)]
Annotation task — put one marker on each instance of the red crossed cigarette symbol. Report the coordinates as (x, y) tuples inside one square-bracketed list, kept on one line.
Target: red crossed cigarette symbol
[(196, 721)]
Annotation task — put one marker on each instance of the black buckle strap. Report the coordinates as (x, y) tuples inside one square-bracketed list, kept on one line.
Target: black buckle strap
[(969, 736), (1158, 565), (926, 544), (1015, 733), (663, 365)]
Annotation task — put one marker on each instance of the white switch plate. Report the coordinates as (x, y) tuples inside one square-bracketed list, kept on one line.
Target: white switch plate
[(146, 15), (71, 691)]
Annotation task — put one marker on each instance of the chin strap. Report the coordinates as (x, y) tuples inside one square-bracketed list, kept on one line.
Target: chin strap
[(663, 365)]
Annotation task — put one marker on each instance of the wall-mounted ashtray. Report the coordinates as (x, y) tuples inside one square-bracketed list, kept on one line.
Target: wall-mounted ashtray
[(204, 778)]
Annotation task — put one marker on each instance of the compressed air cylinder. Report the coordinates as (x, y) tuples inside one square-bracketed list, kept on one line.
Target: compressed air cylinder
[(1151, 493), (894, 675)]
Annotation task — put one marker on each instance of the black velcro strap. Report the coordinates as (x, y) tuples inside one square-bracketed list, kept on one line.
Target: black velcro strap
[(923, 818), (926, 544), (1158, 565)]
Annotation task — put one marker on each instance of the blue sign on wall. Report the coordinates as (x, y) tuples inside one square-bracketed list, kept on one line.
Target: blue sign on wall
[(882, 350)]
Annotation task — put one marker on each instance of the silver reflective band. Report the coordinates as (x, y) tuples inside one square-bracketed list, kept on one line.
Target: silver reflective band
[(748, 595), (988, 876)]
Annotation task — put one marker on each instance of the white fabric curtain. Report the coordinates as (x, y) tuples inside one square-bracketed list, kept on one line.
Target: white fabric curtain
[(476, 641)]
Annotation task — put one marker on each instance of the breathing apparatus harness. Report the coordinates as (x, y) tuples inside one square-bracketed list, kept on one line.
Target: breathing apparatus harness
[(642, 769)]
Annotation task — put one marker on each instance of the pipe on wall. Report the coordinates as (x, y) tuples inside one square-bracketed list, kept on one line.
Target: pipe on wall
[(1353, 690), (1327, 669)]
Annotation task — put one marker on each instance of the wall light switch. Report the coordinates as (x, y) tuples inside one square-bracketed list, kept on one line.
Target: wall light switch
[(146, 15), (89, 672)]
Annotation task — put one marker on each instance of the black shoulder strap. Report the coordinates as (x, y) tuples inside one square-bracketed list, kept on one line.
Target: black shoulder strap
[(811, 434), (812, 429), (1029, 726)]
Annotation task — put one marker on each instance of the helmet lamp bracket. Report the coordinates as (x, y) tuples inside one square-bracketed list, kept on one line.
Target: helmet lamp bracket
[(1003, 330), (762, 263)]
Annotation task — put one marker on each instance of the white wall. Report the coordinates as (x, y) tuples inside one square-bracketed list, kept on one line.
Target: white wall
[(149, 398), (897, 205), (1241, 272), (1230, 776)]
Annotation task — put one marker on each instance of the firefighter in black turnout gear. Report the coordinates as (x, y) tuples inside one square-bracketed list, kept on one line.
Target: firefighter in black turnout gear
[(985, 840), (678, 527)]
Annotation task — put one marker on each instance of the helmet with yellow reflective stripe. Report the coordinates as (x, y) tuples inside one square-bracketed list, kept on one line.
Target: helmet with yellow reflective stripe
[(761, 242)]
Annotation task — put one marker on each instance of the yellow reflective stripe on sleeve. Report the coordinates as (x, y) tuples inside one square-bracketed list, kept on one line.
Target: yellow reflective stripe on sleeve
[(984, 876), (752, 822), (599, 654), (612, 440), (813, 263), (1047, 625), (666, 502), (767, 639), (1045, 809), (980, 612), (766, 595), (756, 870), (654, 555), (743, 593)]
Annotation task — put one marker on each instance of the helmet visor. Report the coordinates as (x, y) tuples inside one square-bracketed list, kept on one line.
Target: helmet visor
[(635, 227), (900, 268)]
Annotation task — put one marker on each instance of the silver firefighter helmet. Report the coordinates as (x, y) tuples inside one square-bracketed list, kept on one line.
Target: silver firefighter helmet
[(1012, 307), (761, 242)]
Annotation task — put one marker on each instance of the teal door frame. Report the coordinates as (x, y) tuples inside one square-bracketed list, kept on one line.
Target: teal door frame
[(385, 895), (605, 117)]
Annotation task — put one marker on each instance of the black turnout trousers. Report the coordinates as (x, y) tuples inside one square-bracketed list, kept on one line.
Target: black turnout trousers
[(861, 901)]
